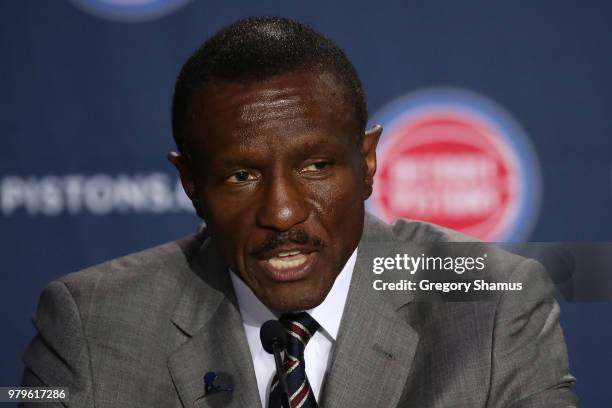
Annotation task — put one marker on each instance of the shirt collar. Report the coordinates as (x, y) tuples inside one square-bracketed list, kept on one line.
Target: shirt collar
[(328, 314)]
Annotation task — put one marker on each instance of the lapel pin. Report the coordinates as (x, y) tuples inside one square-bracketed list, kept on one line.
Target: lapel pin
[(211, 384)]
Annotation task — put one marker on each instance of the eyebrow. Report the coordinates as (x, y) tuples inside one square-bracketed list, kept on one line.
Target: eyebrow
[(242, 157)]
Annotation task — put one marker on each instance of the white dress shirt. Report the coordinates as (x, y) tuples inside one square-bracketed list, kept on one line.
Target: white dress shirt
[(328, 314)]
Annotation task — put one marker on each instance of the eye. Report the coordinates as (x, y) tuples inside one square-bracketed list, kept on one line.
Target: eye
[(241, 176), (317, 166)]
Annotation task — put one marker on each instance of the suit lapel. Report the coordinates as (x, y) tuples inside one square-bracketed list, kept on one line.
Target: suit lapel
[(371, 359), (375, 346), (210, 324)]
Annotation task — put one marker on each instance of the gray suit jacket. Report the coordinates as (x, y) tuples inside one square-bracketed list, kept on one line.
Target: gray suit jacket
[(142, 330)]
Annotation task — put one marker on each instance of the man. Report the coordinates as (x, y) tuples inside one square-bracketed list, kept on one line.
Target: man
[(270, 121)]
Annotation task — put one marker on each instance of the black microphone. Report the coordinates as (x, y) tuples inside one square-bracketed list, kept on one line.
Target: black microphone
[(274, 340)]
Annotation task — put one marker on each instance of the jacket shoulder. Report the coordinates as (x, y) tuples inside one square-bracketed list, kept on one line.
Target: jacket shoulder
[(406, 231), (153, 269), (420, 231)]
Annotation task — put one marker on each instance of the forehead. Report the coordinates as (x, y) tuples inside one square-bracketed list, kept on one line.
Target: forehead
[(287, 106)]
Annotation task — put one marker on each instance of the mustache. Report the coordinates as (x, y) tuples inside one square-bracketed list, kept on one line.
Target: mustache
[(298, 237)]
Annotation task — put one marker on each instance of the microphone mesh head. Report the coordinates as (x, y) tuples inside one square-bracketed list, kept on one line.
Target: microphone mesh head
[(272, 331)]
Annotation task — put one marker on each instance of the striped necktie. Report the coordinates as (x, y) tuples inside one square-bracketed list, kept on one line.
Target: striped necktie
[(300, 328)]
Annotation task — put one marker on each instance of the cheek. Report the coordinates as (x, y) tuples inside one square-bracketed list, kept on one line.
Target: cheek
[(340, 202), (346, 188), (225, 217), (223, 205), (220, 208)]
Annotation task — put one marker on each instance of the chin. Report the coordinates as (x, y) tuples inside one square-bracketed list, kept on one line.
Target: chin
[(291, 304)]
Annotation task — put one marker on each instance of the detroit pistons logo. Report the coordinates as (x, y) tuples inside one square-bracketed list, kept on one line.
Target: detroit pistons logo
[(457, 159), (130, 10)]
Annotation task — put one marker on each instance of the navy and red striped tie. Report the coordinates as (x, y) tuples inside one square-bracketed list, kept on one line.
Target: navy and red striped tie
[(300, 328)]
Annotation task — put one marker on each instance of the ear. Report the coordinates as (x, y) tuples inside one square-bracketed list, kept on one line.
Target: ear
[(180, 162), (368, 148)]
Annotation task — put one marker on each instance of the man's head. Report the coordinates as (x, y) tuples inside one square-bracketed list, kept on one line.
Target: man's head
[(269, 117)]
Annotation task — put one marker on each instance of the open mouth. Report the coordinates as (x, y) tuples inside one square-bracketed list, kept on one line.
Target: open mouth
[(288, 260), (289, 265)]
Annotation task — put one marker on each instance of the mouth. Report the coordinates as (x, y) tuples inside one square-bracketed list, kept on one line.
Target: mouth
[(289, 265)]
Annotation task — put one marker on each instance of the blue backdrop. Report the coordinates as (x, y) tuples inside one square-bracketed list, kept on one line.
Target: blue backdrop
[(85, 125)]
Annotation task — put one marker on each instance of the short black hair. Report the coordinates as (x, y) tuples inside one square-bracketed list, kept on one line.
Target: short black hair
[(258, 48)]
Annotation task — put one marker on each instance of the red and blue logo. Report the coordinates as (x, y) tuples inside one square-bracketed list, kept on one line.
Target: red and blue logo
[(457, 159), (130, 10)]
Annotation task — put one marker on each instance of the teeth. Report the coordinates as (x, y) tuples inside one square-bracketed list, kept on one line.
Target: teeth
[(295, 261), (288, 253)]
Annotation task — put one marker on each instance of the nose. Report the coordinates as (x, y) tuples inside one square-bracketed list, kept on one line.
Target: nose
[(283, 205)]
